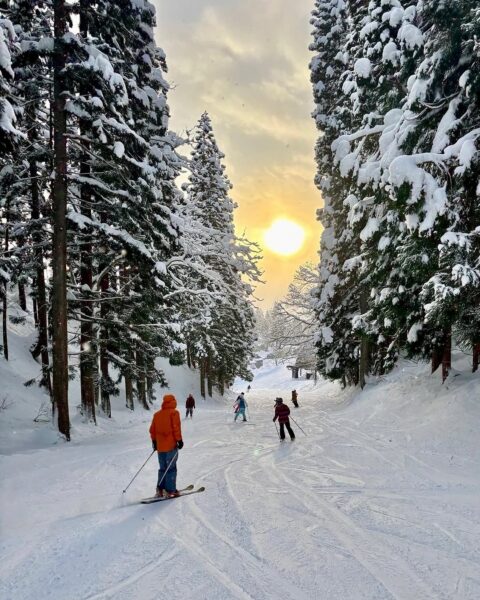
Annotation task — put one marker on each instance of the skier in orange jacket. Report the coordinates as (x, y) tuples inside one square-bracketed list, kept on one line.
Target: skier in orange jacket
[(166, 435)]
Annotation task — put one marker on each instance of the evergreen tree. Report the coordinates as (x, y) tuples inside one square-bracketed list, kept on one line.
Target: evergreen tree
[(338, 347), (406, 180), (220, 336), (10, 136), (33, 164)]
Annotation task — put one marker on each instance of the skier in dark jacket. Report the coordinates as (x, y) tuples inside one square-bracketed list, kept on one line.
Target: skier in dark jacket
[(295, 398), (281, 413), (190, 405)]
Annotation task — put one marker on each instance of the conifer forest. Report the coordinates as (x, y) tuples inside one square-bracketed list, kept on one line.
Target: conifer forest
[(120, 263), (239, 299)]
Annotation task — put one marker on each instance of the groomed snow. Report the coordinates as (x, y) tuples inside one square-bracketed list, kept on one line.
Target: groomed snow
[(378, 501)]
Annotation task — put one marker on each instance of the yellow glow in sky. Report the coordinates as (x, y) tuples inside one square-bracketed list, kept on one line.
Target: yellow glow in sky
[(254, 82), (284, 237)]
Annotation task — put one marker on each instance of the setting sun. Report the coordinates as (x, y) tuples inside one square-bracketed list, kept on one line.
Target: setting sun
[(284, 237)]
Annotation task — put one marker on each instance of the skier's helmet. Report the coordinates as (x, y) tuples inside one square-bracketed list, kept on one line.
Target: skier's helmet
[(278, 400)]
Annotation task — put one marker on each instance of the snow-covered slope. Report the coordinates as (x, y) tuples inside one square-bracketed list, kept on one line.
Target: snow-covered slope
[(379, 500), (20, 429)]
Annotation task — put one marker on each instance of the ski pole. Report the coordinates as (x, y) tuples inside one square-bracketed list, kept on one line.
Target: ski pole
[(278, 433), (138, 471), (168, 467), (298, 426)]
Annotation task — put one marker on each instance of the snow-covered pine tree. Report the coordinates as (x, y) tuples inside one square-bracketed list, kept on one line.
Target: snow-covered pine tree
[(154, 171), (338, 299), (10, 136), (109, 101), (125, 179), (451, 210), (415, 158), (219, 334), (32, 163), (383, 45)]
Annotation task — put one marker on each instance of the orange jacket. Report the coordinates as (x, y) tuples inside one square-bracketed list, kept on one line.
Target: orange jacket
[(165, 427)]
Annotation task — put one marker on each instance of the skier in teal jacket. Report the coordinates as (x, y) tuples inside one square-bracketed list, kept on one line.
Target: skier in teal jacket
[(240, 407)]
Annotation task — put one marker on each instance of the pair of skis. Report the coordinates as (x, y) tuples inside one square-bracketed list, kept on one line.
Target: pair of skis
[(188, 491)]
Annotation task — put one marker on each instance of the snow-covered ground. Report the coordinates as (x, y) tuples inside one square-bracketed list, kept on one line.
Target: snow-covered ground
[(380, 500)]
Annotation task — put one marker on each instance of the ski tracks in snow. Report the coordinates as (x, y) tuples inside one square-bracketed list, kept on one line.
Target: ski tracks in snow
[(344, 512)]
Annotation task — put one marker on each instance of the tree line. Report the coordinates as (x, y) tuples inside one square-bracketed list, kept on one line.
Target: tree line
[(397, 91), (118, 264)]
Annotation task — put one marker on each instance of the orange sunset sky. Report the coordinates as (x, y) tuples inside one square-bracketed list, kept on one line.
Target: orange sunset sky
[(246, 63)]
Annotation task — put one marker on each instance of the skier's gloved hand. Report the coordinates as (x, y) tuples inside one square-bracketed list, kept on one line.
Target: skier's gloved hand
[(154, 444), (180, 444)]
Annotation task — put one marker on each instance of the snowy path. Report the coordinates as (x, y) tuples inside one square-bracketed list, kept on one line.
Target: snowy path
[(356, 510)]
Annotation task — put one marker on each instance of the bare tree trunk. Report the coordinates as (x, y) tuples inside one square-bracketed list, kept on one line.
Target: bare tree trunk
[(87, 345), (436, 359), (221, 382), (5, 286), (104, 388), (35, 306), (4, 321), (124, 281), (22, 298), (476, 356), (129, 392), (104, 393), (149, 376), (87, 342), (189, 361), (447, 356), (40, 306), (202, 376), (141, 387), (364, 362), (59, 206), (209, 375)]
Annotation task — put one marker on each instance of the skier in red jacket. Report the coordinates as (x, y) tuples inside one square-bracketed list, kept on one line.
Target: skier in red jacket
[(281, 413), (190, 405)]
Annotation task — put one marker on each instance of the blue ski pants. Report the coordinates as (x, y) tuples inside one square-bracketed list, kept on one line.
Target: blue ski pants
[(241, 411), (167, 479)]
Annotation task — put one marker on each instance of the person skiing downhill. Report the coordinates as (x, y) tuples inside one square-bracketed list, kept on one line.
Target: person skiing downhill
[(190, 405), (281, 413), (166, 436), (295, 398), (240, 407)]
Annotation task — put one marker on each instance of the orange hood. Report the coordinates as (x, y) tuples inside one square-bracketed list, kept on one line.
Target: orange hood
[(169, 401)]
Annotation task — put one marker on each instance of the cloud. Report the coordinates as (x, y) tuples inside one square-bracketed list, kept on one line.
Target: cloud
[(247, 64)]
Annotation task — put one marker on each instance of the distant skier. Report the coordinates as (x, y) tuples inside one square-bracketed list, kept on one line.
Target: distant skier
[(295, 398), (240, 407), (190, 405), (166, 435), (281, 413), (248, 388)]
